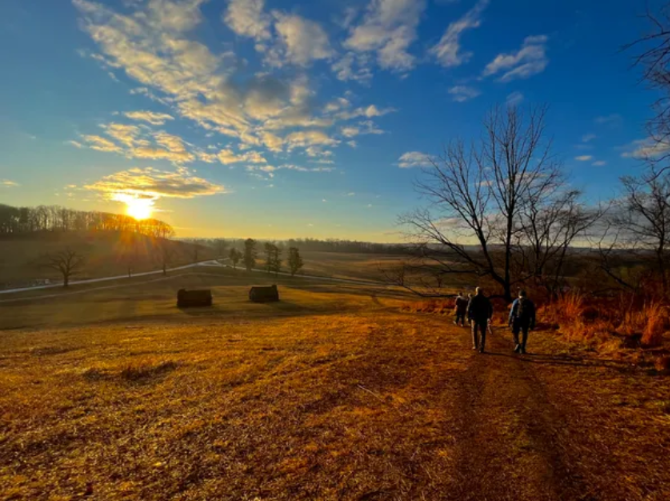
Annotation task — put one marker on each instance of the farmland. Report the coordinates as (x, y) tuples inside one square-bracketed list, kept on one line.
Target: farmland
[(336, 392)]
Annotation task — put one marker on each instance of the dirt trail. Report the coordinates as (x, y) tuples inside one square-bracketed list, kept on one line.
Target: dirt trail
[(510, 436)]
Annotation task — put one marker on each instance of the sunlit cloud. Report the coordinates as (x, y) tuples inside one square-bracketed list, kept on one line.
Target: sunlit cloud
[(152, 184), (584, 158), (149, 116), (8, 184)]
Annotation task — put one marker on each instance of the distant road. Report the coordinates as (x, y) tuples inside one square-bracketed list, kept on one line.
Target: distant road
[(208, 263), (107, 279)]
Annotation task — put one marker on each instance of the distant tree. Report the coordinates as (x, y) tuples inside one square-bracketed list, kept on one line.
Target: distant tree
[(234, 256), (164, 252), (272, 258), (67, 262), (295, 262), (196, 251), (220, 245), (130, 252), (250, 254)]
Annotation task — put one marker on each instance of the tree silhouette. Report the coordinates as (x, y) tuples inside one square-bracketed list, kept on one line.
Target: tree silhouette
[(67, 262), (250, 254), (295, 262)]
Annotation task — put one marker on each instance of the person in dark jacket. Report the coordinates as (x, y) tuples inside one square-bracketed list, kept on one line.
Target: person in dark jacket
[(460, 309), (480, 312), (521, 320)]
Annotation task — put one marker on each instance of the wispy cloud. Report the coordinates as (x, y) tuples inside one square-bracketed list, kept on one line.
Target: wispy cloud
[(529, 60), (514, 99), (599, 163), (584, 158), (462, 93), (613, 119), (8, 184), (149, 116), (646, 149), (448, 50), (588, 137), (414, 159)]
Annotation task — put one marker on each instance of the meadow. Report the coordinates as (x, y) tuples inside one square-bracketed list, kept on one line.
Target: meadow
[(339, 391)]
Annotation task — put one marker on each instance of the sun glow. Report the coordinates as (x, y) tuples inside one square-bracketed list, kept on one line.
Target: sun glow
[(139, 208)]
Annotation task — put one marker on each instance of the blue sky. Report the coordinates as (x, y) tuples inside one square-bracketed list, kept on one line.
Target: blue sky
[(286, 119)]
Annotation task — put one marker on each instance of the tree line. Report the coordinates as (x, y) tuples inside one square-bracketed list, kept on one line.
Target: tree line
[(53, 218)]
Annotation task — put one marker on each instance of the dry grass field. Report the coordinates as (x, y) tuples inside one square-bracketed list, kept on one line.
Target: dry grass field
[(336, 392)]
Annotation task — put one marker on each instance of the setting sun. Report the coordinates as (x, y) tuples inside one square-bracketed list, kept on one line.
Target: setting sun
[(139, 208)]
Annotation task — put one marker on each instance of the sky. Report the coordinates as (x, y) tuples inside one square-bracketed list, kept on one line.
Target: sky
[(279, 119)]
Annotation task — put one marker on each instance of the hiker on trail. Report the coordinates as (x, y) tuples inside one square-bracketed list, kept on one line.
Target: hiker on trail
[(460, 309), (521, 319), (480, 312)]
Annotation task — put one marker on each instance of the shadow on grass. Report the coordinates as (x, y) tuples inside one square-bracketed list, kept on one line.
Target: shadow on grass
[(554, 359)]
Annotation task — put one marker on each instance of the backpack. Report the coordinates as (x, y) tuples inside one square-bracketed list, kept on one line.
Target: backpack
[(525, 309)]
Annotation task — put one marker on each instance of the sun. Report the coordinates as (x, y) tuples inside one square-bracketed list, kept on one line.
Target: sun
[(139, 208)]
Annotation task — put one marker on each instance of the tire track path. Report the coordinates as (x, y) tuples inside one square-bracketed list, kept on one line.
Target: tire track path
[(510, 437)]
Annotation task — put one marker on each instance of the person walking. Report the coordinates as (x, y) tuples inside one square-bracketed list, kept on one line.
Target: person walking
[(460, 309), (479, 312), (521, 320)]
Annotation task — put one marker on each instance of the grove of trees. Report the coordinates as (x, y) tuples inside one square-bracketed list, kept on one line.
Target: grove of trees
[(53, 218)]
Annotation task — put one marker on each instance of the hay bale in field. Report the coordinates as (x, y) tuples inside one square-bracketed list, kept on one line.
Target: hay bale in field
[(187, 299), (264, 294)]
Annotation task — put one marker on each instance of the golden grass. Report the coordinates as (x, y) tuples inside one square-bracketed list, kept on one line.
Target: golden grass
[(336, 392), (335, 395)]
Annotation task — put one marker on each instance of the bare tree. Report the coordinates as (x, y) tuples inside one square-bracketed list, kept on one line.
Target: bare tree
[(549, 224), (641, 223), (67, 262), (654, 58), (478, 194)]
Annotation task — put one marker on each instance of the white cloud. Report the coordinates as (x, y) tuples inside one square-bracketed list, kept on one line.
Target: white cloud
[(646, 149), (388, 29), (350, 131), (8, 184), (529, 60), (246, 18), (414, 159), (448, 50), (584, 158), (149, 116), (352, 66), (588, 137), (463, 93), (514, 99), (301, 41), (599, 163)]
